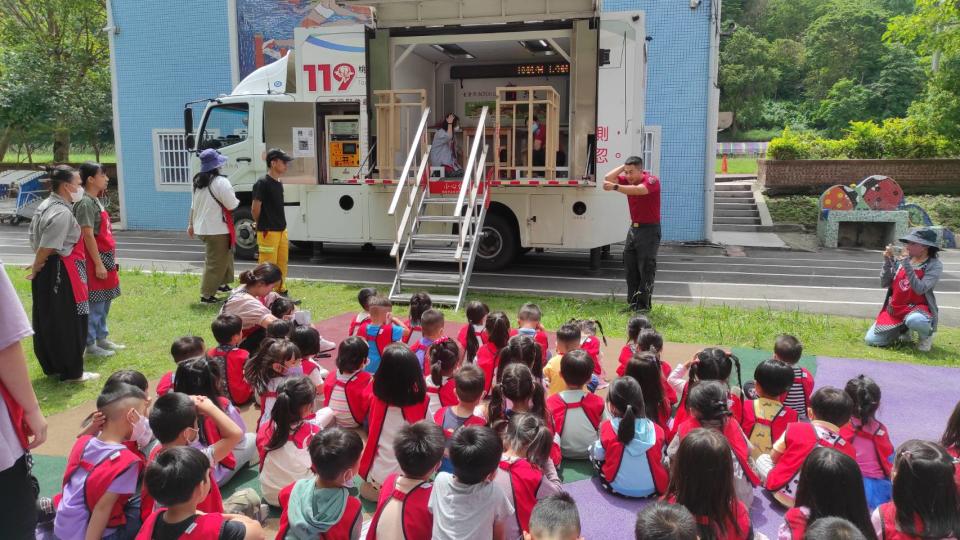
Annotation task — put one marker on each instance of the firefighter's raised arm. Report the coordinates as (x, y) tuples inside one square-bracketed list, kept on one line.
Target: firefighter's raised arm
[(611, 182)]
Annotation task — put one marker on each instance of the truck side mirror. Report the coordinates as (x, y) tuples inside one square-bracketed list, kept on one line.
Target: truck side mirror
[(188, 125)]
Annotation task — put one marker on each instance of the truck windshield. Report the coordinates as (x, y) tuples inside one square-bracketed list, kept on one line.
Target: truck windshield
[(225, 125)]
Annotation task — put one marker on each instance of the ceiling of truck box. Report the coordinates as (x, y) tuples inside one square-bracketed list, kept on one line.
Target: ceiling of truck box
[(403, 13), (491, 51)]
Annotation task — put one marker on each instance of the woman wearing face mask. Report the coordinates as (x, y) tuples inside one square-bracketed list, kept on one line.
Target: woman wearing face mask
[(101, 257), (910, 276), (59, 275), (443, 151)]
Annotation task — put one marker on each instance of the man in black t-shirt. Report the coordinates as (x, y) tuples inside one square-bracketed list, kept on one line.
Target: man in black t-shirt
[(268, 213)]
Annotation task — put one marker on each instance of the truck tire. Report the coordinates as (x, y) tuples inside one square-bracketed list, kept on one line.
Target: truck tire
[(498, 244), (246, 247)]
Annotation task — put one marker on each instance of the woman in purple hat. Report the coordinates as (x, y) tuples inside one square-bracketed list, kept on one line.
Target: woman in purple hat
[(910, 275), (211, 218)]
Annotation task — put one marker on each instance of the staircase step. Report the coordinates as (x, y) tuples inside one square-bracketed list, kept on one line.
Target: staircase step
[(431, 255), (733, 187), (441, 200), (733, 195), (430, 277), (723, 212), (430, 237), (443, 299), (443, 219), (740, 228), (735, 205), (736, 221)]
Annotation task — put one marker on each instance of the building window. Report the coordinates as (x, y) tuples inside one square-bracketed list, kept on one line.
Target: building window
[(171, 159), (651, 149)]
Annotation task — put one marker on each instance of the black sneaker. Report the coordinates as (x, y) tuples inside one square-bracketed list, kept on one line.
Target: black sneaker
[(224, 288), (210, 300)]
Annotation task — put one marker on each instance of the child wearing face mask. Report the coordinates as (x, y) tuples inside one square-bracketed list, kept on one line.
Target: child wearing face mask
[(102, 471), (276, 360)]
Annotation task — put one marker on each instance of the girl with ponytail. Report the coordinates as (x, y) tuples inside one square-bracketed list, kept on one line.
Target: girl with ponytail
[(710, 364), (645, 369), (526, 473), (635, 325), (488, 356), (275, 360), (444, 357), (474, 334), (709, 408), (870, 439), (524, 350), (629, 455), (284, 441), (519, 391)]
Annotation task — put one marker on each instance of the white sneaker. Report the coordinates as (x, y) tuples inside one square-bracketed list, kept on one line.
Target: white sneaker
[(925, 344), (87, 376), (109, 345), (96, 351)]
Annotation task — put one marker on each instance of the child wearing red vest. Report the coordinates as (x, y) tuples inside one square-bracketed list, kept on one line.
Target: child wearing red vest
[(488, 356), (766, 418), (710, 364), (381, 330), (469, 389), (183, 348), (635, 325), (925, 497), (629, 455), (951, 439), (525, 473), (473, 335), (283, 441), (102, 472), (179, 479), (528, 324), (321, 506), (708, 409), (227, 330), (701, 475), (871, 439), (519, 391), (658, 396), (399, 398), (275, 361), (346, 391), (174, 421), (308, 342), (789, 350), (431, 331), (830, 409), (363, 298), (819, 494), (576, 414), (420, 303), (591, 343), (444, 359), (403, 500)]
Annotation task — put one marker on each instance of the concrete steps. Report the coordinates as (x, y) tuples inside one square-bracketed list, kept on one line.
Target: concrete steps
[(734, 208)]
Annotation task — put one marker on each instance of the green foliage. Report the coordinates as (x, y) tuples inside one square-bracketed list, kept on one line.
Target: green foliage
[(894, 138), (847, 101), (747, 77), (787, 18), (804, 209), (789, 145), (787, 55), (933, 26)]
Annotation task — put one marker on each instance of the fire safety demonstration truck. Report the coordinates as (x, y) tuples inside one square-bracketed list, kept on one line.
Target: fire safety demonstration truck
[(358, 107)]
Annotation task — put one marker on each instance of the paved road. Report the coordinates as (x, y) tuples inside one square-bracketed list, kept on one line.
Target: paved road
[(840, 282)]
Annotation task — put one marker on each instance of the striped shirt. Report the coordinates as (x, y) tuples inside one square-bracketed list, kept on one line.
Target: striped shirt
[(796, 399), (339, 405)]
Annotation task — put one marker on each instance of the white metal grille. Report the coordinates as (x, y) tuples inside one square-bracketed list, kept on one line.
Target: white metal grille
[(651, 149), (171, 158)]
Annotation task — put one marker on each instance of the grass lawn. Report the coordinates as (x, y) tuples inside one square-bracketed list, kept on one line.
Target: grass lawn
[(157, 308), (738, 165), (41, 157), (804, 209)]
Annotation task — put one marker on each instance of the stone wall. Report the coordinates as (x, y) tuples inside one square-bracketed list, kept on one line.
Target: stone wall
[(812, 176)]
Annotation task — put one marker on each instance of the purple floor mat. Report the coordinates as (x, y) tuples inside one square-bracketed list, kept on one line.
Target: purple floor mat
[(916, 403)]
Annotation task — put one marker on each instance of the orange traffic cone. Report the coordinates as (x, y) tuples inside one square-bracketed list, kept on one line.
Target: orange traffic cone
[(723, 164)]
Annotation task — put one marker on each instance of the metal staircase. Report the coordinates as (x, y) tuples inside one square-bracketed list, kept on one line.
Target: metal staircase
[(439, 233)]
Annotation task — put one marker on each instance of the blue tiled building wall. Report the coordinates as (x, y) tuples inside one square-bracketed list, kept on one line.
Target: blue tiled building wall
[(166, 53), (678, 72)]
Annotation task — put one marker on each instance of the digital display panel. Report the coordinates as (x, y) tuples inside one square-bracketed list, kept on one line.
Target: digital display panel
[(493, 71)]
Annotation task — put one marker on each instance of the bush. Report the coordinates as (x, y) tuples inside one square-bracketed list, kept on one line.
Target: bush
[(896, 138)]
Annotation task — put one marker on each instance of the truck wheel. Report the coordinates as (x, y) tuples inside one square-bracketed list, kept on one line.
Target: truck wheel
[(497, 245), (246, 234)]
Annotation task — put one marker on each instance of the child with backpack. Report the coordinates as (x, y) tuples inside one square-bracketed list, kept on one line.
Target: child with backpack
[(346, 390), (444, 356), (228, 331), (576, 413), (766, 418), (710, 364), (381, 330), (419, 304), (181, 349), (469, 388), (275, 361), (645, 369), (788, 349), (363, 298), (519, 391), (488, 356), (635, 325), (871, 439)]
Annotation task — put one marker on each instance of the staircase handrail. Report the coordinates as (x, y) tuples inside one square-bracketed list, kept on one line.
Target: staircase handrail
[(411, 204), (402, 181), (471, 207), (468, 176)]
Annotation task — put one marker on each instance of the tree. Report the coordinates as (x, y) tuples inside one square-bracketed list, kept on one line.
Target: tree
[(844, 43), (847, 101), (934, 27), (787, 18), (68, 41), (25, 100), (787, 56), (900, 82), (746, 74)]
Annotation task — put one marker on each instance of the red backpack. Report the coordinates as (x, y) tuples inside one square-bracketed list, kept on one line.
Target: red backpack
[(880, 439), (525, 481), (736, 438), (356, 389), (801, 438), (212, 504), (382, 340), (378, 412), (784, 417), (234, 358), (99, 477), (591, 404), (614, 450), (888, 524), (796, 521), (204, 527), (417, 521)]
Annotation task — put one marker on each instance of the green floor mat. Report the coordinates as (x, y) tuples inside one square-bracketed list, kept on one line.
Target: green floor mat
[(574, 470), (751, 358), (49, 471)]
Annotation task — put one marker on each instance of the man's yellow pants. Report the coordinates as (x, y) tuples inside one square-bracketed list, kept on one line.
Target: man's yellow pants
[(274, 248)]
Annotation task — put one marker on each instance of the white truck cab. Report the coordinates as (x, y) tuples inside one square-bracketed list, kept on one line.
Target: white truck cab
[(347, 101)]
